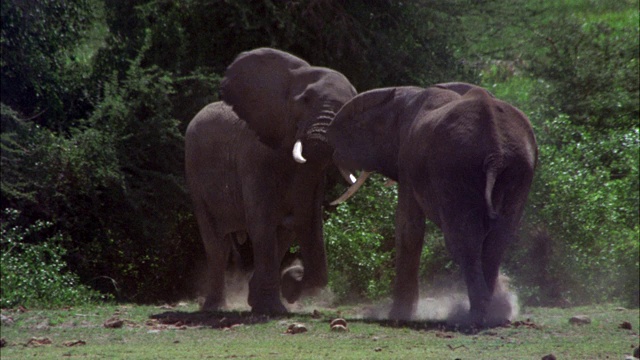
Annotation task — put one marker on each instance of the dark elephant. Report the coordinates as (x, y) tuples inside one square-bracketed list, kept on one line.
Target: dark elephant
[(462, 158), (244, 181)]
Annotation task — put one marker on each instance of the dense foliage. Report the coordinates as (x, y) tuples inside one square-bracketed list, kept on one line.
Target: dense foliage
[(33, 274), (96, 96)]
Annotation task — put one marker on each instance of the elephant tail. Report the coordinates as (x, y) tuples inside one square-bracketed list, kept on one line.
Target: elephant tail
[(492, 166)]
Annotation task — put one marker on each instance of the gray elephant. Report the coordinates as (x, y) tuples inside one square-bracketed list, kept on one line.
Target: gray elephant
[(462, 158), (255, 166)]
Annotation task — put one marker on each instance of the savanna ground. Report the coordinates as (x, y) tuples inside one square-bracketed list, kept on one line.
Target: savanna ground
[(181, 331)]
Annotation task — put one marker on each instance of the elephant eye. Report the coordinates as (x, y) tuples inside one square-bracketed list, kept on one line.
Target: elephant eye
[(304, 98)]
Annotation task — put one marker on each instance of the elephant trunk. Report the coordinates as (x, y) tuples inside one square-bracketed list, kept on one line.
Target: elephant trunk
[(313, 143)]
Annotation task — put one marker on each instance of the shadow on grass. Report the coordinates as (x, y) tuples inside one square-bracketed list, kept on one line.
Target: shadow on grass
[(226, 319), (424, 325), (214, 319)]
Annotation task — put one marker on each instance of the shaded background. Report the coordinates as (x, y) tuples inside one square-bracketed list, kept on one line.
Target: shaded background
[(95, 97)]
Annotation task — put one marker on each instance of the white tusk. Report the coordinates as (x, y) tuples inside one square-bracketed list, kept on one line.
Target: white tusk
[(297, 153), (352, 189), (349, 177)]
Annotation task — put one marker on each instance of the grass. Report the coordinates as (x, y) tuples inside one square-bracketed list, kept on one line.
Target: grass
[(150, 332)]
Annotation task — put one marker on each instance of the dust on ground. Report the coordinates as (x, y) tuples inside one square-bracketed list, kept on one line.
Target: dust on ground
[(437, 308)]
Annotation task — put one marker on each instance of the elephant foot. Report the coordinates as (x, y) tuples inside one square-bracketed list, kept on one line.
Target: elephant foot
[(291, 283), (269, 308), (266, 302), (401, 311), (213, 304)]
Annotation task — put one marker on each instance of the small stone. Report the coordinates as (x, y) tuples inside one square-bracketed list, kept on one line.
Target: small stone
[(339, 321), (339, 324), (296, 329), (113, 323), (625, 325), (339, 328), (71, 343), (580, 320), (38, 341)]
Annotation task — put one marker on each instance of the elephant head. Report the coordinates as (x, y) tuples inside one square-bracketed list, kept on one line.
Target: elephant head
[(366, 133), (285, 100)]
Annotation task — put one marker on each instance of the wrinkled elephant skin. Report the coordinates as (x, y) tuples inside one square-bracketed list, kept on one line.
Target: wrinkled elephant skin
[(243, 178), (462, 158)]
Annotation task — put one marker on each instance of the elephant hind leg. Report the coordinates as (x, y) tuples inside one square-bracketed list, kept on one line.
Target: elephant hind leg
[(465, 235), (502, 306), (217, 250), (493, 250)]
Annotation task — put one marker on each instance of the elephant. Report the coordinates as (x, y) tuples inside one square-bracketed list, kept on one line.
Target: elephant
[(462, 158), (255, 164)]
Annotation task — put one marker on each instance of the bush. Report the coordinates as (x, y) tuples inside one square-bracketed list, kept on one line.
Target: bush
[(360, 245), (42, 75), (587, 214), (34, 272)]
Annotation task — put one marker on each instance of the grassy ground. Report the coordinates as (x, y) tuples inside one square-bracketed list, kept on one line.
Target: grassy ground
[(147, 332)]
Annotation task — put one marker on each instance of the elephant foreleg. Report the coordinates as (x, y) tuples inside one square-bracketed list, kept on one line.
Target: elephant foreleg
[(291, 279), (410, 227), (264, 286), (308, 229)]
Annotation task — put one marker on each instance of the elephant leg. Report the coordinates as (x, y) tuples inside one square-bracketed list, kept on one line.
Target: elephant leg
[(410, 227), (308, 228), (264, 286), (477, 288), (465, 235), (291, 279), (285, 240), (217, 249), (493, 249)]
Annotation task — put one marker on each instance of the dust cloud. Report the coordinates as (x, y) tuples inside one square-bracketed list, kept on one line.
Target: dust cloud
[(451, 305), (237, 290), (448, 304)]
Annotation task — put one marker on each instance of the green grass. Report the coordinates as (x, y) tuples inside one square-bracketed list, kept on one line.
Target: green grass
[(203, 335)]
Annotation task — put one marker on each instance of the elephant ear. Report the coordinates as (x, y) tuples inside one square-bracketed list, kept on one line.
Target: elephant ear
[(460, 87), (258, 87)]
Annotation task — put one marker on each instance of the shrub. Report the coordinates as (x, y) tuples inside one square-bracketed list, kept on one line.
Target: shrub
[(34, 272), (587, 212), (360, 245)]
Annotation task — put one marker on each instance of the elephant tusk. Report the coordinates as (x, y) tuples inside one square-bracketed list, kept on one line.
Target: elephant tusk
[(297, 153), (352, 189), (351, 179)]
